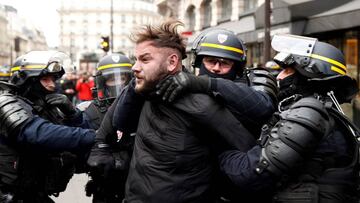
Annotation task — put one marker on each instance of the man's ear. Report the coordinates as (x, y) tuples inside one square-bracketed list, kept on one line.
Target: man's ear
[(173, 63)]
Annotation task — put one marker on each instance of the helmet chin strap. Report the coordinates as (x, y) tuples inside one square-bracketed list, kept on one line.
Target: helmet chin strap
[(338, 107), (335, 101)]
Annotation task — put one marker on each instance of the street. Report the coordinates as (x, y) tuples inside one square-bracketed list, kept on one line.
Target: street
[(75, 192)]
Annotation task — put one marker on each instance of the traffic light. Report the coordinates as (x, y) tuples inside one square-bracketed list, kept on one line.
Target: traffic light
[(105, 44)]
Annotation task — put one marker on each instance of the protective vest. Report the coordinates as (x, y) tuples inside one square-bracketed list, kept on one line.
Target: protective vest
[(323, 178), (32, 174)]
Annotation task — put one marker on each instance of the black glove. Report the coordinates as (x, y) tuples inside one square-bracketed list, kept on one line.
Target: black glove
[(62, 102), (174, 85), (101, 160)]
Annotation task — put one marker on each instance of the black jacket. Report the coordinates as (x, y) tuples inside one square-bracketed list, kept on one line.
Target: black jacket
[(172, 160)]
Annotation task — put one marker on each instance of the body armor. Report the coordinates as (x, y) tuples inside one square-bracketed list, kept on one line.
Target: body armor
[(308, 175), (29, 174)]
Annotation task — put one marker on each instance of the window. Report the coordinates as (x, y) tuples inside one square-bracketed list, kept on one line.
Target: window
[(190, 17), (250, 4), (226, 10), (123, 43), (206, 7)]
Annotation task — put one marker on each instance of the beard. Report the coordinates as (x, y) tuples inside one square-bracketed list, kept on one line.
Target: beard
[(147, 83)]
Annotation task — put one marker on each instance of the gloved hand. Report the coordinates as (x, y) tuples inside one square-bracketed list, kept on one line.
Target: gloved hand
[(173, 86), (101, 160), (62, 102)]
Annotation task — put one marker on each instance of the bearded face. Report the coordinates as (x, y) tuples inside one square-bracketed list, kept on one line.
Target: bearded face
[(150, 67)]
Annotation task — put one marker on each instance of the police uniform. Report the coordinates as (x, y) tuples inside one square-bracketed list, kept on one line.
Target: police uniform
[(38, 152), (309, 150), (113, 74)]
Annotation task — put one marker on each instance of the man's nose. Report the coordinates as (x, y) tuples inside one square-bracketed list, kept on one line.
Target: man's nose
[(135, 67), (52, 83), (280, 76), (216, 68)]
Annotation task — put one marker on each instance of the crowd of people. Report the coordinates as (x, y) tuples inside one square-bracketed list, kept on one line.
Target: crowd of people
[(77, 87), (154, 132)]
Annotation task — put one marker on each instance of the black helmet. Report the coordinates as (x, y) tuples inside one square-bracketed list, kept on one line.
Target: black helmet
[(322, 64), (36, 64), (219, 43), (113, 74), (4, 73), (311, 58), (273, 68), (16, 66)]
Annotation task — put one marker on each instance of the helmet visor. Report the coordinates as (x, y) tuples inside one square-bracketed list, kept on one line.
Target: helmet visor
[(49, 61), (292, 44), (110, 83)]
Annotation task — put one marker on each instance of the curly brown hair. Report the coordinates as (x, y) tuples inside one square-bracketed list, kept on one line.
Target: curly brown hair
[(163, 35)]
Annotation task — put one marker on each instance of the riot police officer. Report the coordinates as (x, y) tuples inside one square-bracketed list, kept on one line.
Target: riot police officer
[(38, 151), (221, 58), (113, 74), (309, 150)]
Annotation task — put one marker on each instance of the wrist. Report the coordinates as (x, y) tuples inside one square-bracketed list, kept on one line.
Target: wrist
[(212, 84), (204, 83)]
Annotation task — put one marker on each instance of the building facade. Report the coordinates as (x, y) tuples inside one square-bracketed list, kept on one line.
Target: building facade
[(84, 22), (4, 35), (17, 36)]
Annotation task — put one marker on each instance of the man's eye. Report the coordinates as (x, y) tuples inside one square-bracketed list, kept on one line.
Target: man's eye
[(212, 61), (145, 59), (226, 63)]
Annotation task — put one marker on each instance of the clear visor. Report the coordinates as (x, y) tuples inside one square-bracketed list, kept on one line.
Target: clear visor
[(293, 44), (109, 84), (53, 61)]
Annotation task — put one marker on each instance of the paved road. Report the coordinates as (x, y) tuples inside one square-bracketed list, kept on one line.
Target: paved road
[(75, 192)]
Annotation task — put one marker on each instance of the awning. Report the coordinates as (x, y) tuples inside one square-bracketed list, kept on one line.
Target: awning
[(341, 17), (258, 35)]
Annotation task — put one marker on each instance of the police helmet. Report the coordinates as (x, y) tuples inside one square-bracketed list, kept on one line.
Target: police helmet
[(273, 68), (36, 64), (16, 66), (219, 43), (4, 73), (113, 74), (310, 57), (322, 64)]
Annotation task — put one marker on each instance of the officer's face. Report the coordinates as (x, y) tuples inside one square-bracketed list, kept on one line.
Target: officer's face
[(285, 73), (217, 65), (151, 66), (48, 82)]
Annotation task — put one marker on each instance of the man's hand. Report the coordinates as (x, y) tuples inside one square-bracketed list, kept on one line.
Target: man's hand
[(62, 102), (175, 85)]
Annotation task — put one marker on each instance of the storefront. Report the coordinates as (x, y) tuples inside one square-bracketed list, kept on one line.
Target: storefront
[(338, 27)]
